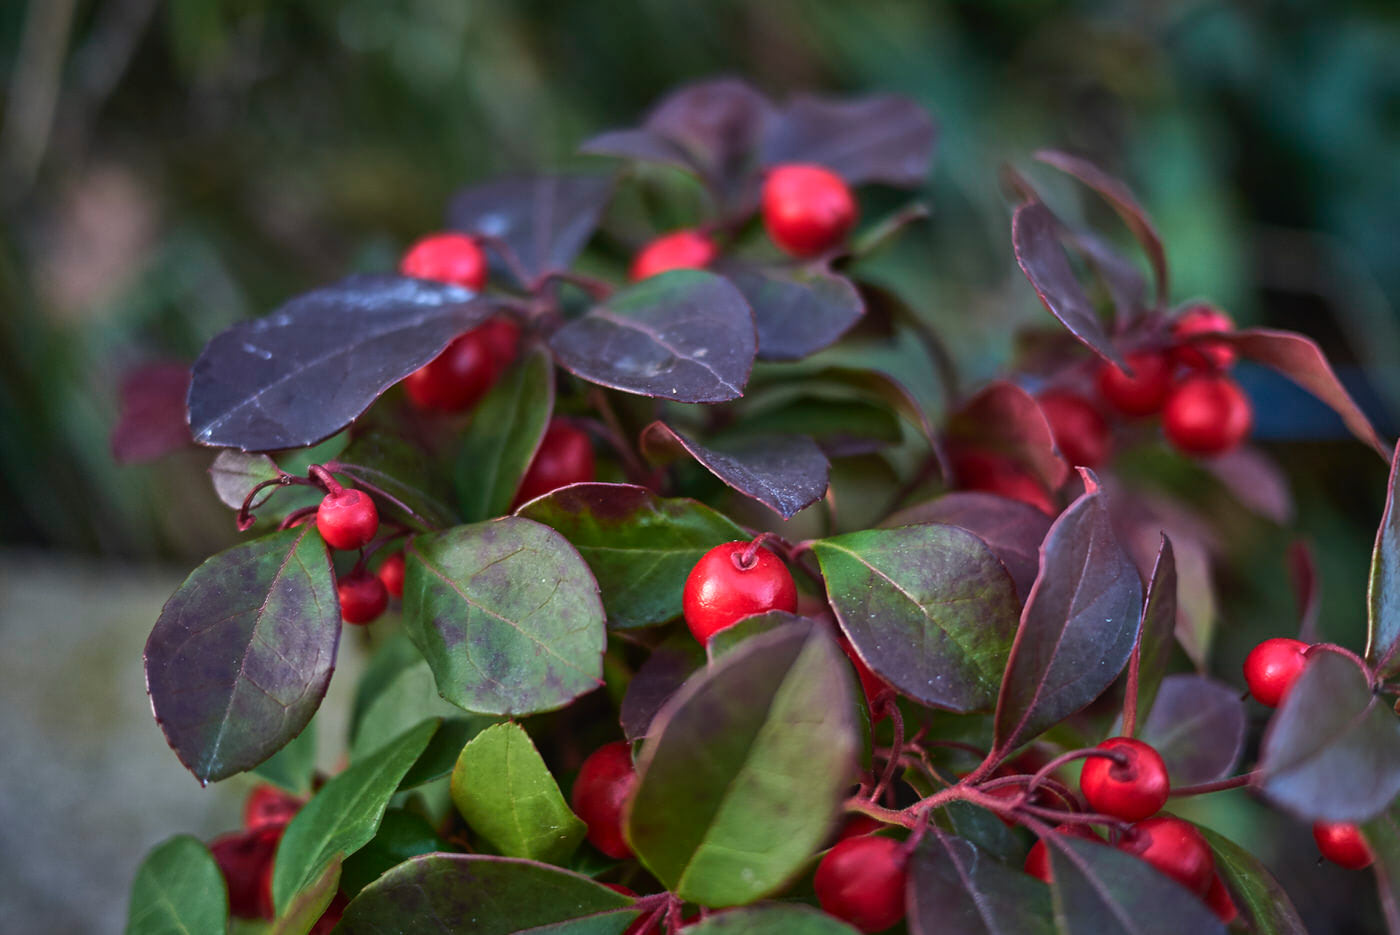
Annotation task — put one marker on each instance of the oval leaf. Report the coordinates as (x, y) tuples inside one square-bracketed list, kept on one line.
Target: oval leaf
[(1383, 590), (235, 473), (504, 435), (507, 615), (798, 310), (956, 889), (179, 890), (684, 335), (1158, 633), (1198, 726), (152, 421), (1261, 901), (1100, 890), (307, 907), (400, 474), (760, 747), (778, 919), (1256, 481), (1005, 419), (310, 368), (661, 676), (259, 625), (929, 608), (1383, 837), (879, 138), (402, 834)]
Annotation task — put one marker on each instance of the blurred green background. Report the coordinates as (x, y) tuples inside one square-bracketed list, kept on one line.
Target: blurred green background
[(168, 168)]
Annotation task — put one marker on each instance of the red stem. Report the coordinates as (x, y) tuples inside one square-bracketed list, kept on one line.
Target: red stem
[(744, 560), (896, 748), (1130, 694), (1345, 653), (1234, 782), (319, 473)]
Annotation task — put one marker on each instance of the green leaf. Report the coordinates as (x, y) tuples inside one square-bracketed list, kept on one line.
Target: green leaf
[(507, 615), (1100, 890), (307, 907), (401, 835), (235, 473), (735, 635), (956, 889), (344, 815), (929, 608), (1383, 836), (503, 436), (776, 919), (1157, 636), (506, 793), (178, 890), (294, 766), (440, 756), (401, 472), (640, 546), (745, 773), (1383, 590), (1258, 896)]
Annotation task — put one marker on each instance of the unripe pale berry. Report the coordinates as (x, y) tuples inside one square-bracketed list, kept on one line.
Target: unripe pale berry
[(362, 597), (604, 784), (446, 257), (721, 589), (457, 378), (993, 473), (1038, 860), (1080, 431), (391, 572), (565, 456), (347, 519), (1207, 414), (1175, 848), (1132, 790), (1141, 394), (861, 880), (1272, 667), (1343, 844), (807, 209), (1202, 355), (683, 249)]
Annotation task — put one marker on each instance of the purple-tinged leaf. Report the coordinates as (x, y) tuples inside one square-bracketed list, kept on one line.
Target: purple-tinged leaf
[(1307, 588), (1256, 481), (242, 653), (1036, 234), (798, 310), (1158, 628), (1121, 198), (956, 889), (1262, 903), (235, 473), (545, 220), (660, 677), (473, 894), (642, 145), (1006, 420), (1383, 837), (503, 437), (399, 473), (1011, 529), (1079, 624), (771, 919), (784, 472), (930, 609), (1332, 750), (310, 368), (153, 420), (720, 125), (1383, 589), (1100, 890), (684, 335), (879, 138), (1120, 277), (740, 632), (1198, 726), (1302, 361), (507, 615)]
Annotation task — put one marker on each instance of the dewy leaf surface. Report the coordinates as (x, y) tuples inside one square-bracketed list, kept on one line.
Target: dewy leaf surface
[(504, 434), (242, 653), (1383, 591), (957, 889), (179, 890)]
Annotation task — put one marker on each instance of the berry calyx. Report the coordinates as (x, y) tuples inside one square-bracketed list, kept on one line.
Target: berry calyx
[(1343, 844), (1202, 355), (1038, 860), (268, 805), (1219, 901), (1175, 848), (446, 257), (604, 784), (1141, 394), (683, 249), (1207, 414), (733, 581), (391, 573), (565, 456), (1132, 785), (347, 519), (245, 860), (861, 881), (807, 209), (455, 379), (1080, 431), (992, 473), (363, 597), (1272, 667)]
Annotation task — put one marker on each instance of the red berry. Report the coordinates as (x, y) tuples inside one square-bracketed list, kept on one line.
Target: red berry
[(1202, 355), (391, 573), (1141, 394), (604, 784), (447, 257), (269, 805), (1219, 902), (1175, 848), (807, 209), (721, 590), (1132, 790), (502, 339), (347, 519), (1272, 667), (245, 859), (331, 917), (862, 881), (1207, 414), (1343, 844), (565, 457), (1038, 860), (857, 826), (455, 379), (363, 597), (991, 473), (870, 684), (1079, 429), (684, 249)]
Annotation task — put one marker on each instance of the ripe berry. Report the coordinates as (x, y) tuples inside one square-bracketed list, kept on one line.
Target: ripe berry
[(857, 826), (1207, 414), (870, 684), (807, 209), (1141, 394), (1132, 790), (347, 519), (1272, 667), (502, 339), (363, 597), (245, 859), (1079, 429), (455, 379), (1202, 355), (565, 457), (391, 573), (684, 249), (992, 473), (861, 881), (1175, 848), (1343, 844), (721, 589), (446, 257), (1038, 860), (269, 805), (1219, 902), (604, 784)]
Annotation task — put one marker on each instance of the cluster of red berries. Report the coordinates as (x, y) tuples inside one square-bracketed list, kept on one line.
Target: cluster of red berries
[(348, 520)]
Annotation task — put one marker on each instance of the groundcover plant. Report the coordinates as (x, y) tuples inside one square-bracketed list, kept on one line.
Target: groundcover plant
[(615, 686)]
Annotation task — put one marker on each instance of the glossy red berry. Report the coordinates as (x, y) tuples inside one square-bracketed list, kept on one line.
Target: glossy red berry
[(1272, 667), (1133, 789), (1175, 848), (1141, 394), (391, 573), (347, 519), (1207, 414), (1080, 431), (807, 209), (870, 684), (1343, 844), (1218, 900), (363, 597), (502, 339), (245, 859), (268, 805), (992, 473), (861, 881), (857, 826), (604, 784), (447, 257), (1038, 860), (684, 249), (1202, 355), (721, 589), (455, 379), (565, 457)]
